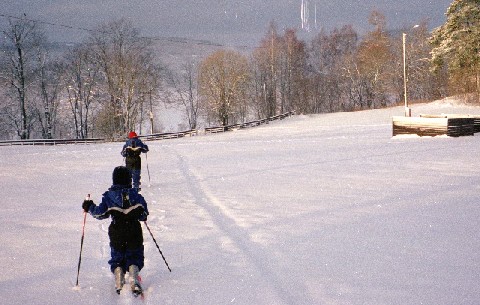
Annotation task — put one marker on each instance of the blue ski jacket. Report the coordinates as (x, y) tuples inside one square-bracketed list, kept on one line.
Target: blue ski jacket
[(127, 208), (122, 203), (131, 151)]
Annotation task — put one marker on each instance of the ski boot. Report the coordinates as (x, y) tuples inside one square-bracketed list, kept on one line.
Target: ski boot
[(134, 280), (119, 279)]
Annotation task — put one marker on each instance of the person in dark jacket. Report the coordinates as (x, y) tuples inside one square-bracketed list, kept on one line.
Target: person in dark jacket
[(127, 208), (131, 151)]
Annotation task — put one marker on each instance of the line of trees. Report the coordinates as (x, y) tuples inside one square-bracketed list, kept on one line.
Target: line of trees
[(113, 81), (335, 71), (104, 86)]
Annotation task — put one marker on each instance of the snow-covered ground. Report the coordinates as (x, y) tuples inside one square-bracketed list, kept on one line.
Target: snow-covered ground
[(324, 209)]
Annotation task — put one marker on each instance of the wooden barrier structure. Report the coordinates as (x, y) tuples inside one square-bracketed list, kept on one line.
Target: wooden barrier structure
[(169, 135), (434, 125), (50, 141), (217, 129), (476, 119), (150, 137)]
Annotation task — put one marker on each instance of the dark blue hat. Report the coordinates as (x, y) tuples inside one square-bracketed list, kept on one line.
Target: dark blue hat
[(121, 176)]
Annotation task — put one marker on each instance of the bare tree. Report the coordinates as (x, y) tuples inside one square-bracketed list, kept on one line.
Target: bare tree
[(266, 59), (149, 85), (331, 69), (293, 65), (185, 89), (126, 60), (49, 81), (223, 83), (23, 38), (82, 86), (421, 82), (374, 67)]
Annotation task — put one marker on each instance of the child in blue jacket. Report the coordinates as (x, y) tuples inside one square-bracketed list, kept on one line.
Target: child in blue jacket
[(127, 208), (132, 149)]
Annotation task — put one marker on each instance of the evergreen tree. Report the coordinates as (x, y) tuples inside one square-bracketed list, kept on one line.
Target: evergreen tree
[(457, 43)]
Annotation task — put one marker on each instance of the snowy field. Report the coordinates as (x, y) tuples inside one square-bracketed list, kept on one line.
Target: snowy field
[(324, 209)]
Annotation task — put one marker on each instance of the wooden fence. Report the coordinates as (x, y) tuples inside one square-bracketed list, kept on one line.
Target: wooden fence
[(248, 124), (169, 135), (50, 141), (150, 137)]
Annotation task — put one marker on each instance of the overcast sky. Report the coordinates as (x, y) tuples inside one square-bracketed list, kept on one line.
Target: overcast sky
[(221, 21)]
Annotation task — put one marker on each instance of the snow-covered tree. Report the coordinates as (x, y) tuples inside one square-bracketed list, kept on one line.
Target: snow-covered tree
[(457, 42)]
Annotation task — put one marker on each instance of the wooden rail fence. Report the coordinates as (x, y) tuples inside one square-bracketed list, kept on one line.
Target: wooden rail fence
[(50, 141), (150, 137), (248, 124), (169, 135)]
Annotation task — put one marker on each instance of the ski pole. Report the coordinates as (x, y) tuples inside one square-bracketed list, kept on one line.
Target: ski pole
[(148, 228), (148, 170), (81, 241)]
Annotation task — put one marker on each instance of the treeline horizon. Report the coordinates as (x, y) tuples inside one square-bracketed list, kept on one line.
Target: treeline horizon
[(114, 80)]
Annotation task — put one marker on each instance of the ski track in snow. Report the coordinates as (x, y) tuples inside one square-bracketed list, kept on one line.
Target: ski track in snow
[(236, 233)]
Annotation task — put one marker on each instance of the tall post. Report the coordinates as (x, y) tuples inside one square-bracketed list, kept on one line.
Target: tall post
[(407, 110), (151, 122), (151, 113)]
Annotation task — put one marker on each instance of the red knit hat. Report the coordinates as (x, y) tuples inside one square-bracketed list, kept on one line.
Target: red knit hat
[(132, 135)]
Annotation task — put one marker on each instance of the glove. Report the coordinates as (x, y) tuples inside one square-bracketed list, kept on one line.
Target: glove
[(86, 205)]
